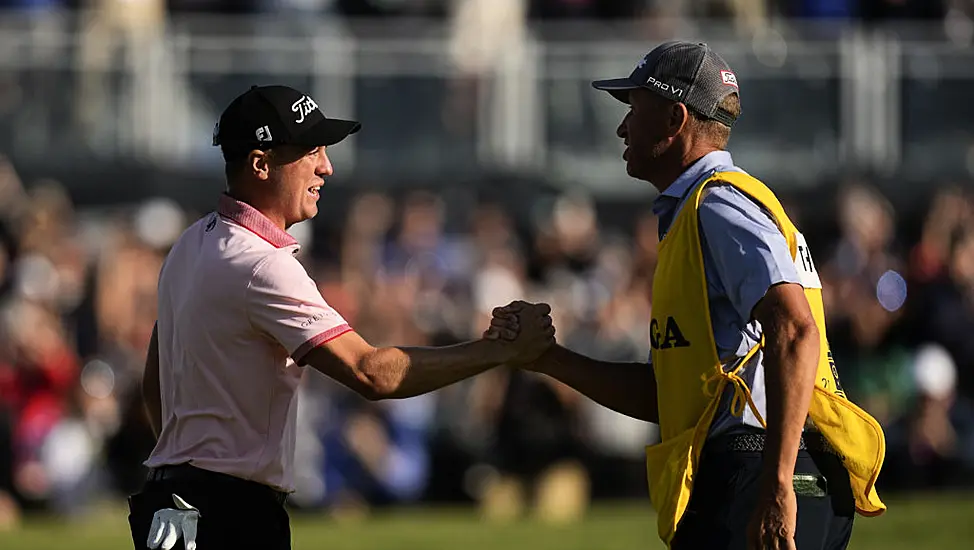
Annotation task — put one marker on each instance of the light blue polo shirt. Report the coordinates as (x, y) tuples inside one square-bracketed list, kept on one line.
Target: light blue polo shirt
[(744, 254)]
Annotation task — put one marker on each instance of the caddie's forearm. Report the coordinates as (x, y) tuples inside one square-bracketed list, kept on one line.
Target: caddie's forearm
[(400, 372), (627, 388), (790, 365)]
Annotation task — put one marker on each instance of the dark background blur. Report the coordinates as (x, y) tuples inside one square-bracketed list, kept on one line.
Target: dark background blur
[(487, 171)]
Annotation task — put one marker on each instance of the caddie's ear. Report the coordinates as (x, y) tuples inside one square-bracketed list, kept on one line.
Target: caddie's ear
[(678, 117)]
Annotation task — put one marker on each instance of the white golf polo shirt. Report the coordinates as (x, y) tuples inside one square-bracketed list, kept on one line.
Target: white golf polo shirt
[(236, 312)]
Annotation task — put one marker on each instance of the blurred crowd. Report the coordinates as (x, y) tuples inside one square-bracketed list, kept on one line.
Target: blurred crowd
[(541, 9), (77, 305)]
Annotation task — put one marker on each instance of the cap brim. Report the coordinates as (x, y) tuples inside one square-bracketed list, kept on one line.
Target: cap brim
[(618, 87), (329, 132)]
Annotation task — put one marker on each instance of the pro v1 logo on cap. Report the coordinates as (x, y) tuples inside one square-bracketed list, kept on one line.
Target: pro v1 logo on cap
[(675, 68), (304, 107), (678, 92)]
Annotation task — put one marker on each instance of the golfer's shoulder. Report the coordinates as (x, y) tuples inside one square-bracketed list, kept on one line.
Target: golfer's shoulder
[(229, 256), (278, 268), (246, 253)]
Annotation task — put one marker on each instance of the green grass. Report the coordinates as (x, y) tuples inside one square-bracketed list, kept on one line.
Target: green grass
[(910, 524)]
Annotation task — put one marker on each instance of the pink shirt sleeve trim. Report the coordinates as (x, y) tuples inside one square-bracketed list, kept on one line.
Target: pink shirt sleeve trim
[(316, 341)]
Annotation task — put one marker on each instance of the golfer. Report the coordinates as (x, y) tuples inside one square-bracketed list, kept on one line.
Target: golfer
[(239, 320)]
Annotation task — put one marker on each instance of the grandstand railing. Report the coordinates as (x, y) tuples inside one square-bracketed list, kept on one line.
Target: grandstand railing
[(819, 100)]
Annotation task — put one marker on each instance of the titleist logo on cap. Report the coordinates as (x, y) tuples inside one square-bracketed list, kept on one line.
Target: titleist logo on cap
[(303, 107), (729, 78)]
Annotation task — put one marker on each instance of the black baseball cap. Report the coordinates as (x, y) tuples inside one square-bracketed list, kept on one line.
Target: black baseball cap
[(687, 72), (266, 116)]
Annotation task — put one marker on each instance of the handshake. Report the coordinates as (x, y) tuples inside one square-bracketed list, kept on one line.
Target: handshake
[(523, 331)]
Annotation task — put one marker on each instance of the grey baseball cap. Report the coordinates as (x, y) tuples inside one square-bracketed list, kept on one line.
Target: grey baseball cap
[(688, 72)]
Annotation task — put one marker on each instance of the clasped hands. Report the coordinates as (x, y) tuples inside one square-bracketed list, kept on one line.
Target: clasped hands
[(523, 330)]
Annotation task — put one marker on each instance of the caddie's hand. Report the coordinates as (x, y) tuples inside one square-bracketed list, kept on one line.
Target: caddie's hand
[(169, 525), (535, 334), (772, 526), (504, 323)]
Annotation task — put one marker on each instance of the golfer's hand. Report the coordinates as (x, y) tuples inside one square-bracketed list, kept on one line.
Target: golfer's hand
[(772, 526), (169, 525), (526, 327), (505, 323)]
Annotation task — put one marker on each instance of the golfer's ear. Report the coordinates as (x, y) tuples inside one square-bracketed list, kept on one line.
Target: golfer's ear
[(259, 164)]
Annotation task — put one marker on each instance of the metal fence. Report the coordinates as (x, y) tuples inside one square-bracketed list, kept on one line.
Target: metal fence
[(819, 100)]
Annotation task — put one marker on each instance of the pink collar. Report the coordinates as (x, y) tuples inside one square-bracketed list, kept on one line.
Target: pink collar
[(251, 219)]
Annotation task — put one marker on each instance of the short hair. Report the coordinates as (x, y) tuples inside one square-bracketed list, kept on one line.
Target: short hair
[(236, 161), (233, 167), (718, 133)]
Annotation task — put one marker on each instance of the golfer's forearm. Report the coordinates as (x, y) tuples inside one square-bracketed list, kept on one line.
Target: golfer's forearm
[(399, 372), (627, 388), (790, 363)]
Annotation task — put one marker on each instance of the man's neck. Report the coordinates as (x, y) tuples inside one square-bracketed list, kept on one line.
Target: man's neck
[(669, 174), (268, 212)]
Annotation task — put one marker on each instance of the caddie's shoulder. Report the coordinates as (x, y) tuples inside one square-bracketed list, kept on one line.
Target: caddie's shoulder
[(722, 202)]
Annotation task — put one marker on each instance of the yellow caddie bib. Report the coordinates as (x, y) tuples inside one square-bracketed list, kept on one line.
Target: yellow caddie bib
[(690, 379)]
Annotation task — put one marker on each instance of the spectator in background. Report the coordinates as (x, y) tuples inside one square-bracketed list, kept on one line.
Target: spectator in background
[(484, 35), (39, 382), (950, 210), (369, 221), (124, 299), (746, 15), (111, 30), (354, 456), (566, 243), (617, 331), (376, 454), (425, 267), (864, 330), (536, 451), (940, 309), (943, 311), (13, 199), (646, 237), (931, 445)]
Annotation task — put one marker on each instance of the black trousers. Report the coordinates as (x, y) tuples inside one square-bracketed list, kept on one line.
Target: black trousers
[(234, 513), (725, 494)]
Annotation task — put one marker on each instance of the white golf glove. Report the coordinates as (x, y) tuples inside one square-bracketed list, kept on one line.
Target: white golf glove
[(168, 525)]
